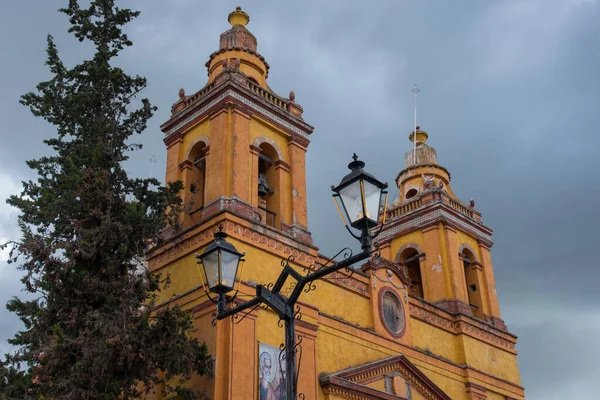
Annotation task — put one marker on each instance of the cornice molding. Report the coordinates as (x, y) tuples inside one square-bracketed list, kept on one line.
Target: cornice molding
[(267, 238), (241, 96), (351, 381), (461, 324), (427, 217)]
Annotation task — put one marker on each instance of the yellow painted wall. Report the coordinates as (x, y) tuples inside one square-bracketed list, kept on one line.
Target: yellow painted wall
[(256, 70), (437, 341), (378, 385), (398, 242), (491, 360), (202, 128), (451, 384)]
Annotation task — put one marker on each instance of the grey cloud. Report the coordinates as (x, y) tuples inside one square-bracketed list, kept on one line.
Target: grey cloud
[(509, 95)]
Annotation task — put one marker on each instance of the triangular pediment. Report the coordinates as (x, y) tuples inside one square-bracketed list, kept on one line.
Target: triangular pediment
[(391, 378)]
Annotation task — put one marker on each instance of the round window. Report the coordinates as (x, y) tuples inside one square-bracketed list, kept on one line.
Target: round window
[(411, 193), (392, 313)]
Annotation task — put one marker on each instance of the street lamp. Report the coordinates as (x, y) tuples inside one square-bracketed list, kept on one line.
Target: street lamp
[(220, 261), (361, 195)]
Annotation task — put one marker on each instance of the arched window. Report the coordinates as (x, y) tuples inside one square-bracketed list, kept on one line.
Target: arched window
[(268, 185), (195, 181), (410, 259), (473, 290)]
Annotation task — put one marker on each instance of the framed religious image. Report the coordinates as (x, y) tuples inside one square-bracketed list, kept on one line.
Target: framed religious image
[(271, 373)]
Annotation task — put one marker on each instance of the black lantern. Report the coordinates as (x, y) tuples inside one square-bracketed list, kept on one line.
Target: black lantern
[(361, 195), (220, 261)]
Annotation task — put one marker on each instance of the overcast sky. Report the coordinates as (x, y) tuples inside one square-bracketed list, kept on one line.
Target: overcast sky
[(510, 96)]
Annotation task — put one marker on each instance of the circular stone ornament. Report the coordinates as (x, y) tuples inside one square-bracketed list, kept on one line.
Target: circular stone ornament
[(392, 312)]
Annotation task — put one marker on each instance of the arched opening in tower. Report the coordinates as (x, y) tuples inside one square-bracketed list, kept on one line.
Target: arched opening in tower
[(473, 289), (195, 181), (410, 259), (268, 185)]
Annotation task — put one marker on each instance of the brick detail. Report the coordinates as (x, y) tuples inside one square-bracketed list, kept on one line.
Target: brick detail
[(476, 392)]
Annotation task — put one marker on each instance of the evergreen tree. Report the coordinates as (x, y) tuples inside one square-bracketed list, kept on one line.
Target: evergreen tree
[(93, 328)]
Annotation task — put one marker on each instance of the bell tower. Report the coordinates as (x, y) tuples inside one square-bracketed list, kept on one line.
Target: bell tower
[(236, 145), (440, 241)]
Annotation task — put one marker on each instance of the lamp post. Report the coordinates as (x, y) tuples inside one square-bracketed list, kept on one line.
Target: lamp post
[(361, 196)]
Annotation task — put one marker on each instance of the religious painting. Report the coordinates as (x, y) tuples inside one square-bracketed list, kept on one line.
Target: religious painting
[(271, 373)]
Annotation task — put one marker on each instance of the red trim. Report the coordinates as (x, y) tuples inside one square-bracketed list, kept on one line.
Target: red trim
[(356, 390)]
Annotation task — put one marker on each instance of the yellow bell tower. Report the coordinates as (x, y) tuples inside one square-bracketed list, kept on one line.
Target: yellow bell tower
[(247, 139), (439, 240)]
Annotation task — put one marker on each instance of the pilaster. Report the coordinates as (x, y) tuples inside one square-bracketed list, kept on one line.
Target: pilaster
[(457, 273), (253, 175), (217, 164), (223, 359), (173, 154), (492, 296), (282, 171), (298, 168), (241, 186), (244, 358), (435, 271)]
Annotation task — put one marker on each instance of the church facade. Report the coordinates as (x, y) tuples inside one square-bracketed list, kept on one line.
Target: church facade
[(421, 321)]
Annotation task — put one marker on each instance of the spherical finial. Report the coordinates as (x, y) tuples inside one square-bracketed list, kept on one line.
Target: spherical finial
[(472, 203), (418, 128), (354, 157), (238, 17), (181, 93), (292, 96)]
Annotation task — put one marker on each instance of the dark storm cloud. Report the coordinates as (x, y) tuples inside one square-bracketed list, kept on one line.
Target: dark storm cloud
[(509, 96)]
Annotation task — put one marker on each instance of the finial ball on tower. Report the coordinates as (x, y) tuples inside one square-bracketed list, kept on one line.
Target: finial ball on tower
[(238, 17), (181, 93)]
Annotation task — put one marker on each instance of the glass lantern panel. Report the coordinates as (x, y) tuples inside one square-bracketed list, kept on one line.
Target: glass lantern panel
[(352, 200), (373, 200), (230, 264), (210, 262)]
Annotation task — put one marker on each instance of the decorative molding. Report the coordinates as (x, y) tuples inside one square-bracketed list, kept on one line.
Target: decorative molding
[(462, 324), (430, 216), (188, 116), (390, 281), (377, 263), (283, 165), (185, 164), (203, 139), (409, 246), (464, 246), (350, 383), (477, 392), (262, 139), (269, 239)]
